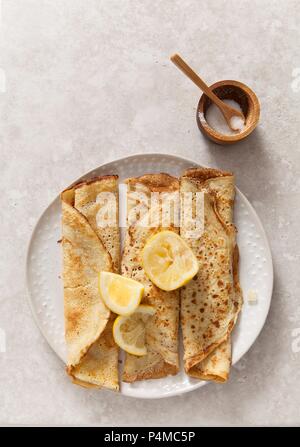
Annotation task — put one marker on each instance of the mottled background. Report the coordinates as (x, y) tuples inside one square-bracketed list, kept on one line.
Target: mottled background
[(85, 81)]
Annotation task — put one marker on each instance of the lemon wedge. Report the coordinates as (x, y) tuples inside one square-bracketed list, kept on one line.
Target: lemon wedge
[(120, 294), (129, 331), (168, 261)]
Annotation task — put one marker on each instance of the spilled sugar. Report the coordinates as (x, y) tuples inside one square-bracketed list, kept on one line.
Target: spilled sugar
[(216, 120), (252, 297)]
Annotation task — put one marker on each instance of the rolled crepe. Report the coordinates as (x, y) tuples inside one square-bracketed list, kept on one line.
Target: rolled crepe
[(210, 303), (91, 244), (161, 329)]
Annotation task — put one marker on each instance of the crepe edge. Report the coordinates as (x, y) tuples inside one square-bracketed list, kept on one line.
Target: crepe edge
[(85, 350), (89, 181), (202, 174), (89, 385), (167, 369), (160, 182), (190, 362), (218, 378), (82, 383), (112, 385)]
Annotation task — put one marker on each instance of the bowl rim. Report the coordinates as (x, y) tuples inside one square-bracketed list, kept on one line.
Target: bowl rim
[(214, 134)]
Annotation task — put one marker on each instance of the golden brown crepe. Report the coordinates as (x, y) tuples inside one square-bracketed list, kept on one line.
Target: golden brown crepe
[(88, 249), (161, 329), (211, 301)]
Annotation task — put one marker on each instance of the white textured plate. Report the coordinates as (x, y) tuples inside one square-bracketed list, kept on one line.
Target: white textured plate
[(45, 285)]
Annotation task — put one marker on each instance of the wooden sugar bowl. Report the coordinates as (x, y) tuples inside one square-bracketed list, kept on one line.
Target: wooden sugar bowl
[(238, 92)]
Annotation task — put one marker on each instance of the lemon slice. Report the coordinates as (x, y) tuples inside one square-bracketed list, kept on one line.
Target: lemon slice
[(168, 261), (129, 331), (120, 294)]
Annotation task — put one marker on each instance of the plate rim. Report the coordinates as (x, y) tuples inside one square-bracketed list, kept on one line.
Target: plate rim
[(193, 163)]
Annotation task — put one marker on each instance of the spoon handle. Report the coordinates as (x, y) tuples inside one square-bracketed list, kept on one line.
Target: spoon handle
[(187, 70)]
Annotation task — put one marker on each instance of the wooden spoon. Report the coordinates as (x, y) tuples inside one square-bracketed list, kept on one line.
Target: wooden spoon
[(228, 112)]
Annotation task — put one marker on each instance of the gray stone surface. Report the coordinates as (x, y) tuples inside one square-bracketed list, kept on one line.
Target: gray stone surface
[(88, 81)]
